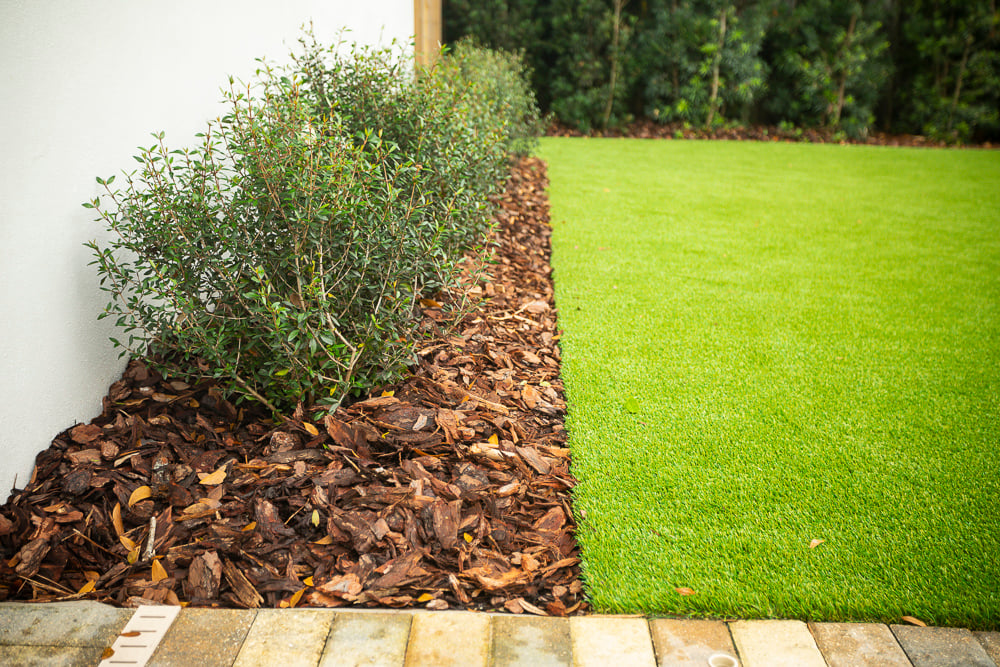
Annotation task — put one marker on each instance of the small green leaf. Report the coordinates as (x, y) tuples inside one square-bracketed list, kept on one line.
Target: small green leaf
[(281, 373), (632, 404)]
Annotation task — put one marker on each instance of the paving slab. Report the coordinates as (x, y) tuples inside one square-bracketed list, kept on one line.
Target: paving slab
[(531, 641), (79, 623), (991, 644), (938, 647), (858, 645), (286, 637), (449, 639), (680, 643), (204, 637), (599, 641), (50, 656), (358, 639), (775, 644)]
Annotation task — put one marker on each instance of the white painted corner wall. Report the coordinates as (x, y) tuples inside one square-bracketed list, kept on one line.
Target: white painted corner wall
[(83, 84)]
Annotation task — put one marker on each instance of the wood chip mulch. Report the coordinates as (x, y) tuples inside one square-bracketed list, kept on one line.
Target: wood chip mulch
[(449, 490)]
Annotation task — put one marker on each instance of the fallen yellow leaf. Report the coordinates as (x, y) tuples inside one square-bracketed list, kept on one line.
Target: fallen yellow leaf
[(211, 479), (468, 538), (139, 494), (326, 539), (116, 520), (816, 543), (296, 596), (127, 542), (429, 303), (308, 581), (684, 591), (133, 556), (107, 653), (426, 597), (87, 587), (494, 440), (914, 621), (159, 572), (250, 526), (388, 394), (313, 431), (315, 518)]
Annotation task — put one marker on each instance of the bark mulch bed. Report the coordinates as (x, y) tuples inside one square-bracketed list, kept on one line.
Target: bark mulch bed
[(449, 490)]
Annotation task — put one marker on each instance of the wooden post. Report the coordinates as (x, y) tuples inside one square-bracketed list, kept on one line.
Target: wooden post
[(427, 31)]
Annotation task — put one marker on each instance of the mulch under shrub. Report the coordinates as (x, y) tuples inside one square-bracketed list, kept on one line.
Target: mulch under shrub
[(448, 490)]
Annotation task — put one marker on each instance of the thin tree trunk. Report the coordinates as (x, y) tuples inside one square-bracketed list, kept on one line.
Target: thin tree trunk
[(842, 84), (713, 98), (615, 37), (958, 81)]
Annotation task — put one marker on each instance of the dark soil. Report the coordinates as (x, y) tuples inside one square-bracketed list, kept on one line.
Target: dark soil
[(449, 490), (647, 129)]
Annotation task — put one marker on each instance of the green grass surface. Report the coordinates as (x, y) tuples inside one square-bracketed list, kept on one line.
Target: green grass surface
[(769, 344)]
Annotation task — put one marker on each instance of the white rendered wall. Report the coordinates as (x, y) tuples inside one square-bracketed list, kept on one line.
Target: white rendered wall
[(82, 84)]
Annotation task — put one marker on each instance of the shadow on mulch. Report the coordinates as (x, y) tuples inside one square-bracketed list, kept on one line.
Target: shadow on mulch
[(449, 490)]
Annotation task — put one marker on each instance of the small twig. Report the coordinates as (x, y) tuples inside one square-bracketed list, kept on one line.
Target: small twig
[(253, 392), (150, 552)]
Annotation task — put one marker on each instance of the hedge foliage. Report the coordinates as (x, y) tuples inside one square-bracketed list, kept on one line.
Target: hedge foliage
[(906, 66), (286, 254)]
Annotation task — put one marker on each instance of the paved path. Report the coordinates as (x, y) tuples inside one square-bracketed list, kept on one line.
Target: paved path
[(81, 633)]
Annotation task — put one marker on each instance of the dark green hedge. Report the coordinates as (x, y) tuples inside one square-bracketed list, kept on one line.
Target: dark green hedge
[(927, 67)]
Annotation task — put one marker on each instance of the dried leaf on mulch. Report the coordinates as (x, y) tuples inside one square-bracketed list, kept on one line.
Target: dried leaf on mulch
[(449, 490)]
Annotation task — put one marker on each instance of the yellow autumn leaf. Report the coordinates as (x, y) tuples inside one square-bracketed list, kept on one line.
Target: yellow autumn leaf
[(388, 394), (87, 587), (250, 526), (116, 520), (308, 581), (139, 494), (296, 596), (133, 556), (913, 621), (91, 575), (816, 543), (312, 430), (159, 573), (468, 538), (426, 597), (683, 590), (429, 303), (494, 440), (127, 542), (107, 653), (217, 477), (315, 517), (326, 539)]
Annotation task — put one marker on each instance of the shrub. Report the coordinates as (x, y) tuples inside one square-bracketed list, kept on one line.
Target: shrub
[(284, 255)]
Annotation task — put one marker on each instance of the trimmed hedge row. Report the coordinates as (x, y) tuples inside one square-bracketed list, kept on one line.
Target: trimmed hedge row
[(922, 66)]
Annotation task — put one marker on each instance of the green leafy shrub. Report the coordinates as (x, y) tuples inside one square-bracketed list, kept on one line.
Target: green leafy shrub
[(284, 254)]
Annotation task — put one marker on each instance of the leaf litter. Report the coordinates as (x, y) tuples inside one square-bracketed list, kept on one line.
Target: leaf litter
[(450, 489)]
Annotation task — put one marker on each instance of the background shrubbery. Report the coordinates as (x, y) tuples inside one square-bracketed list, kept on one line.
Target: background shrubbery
[(286, 254), (921, 66)]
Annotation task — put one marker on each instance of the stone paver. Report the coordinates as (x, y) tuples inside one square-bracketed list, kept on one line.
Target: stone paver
[(449, 639), (49, 656), (81, 623), (599, 641), (991, 643), (775, 644), (204, 637), (531, 641), (286, 637), (680, 643), (858, 645), (937, 647), (358, 639)]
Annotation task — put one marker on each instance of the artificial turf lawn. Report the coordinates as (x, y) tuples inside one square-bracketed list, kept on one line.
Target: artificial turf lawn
[(808, 338)]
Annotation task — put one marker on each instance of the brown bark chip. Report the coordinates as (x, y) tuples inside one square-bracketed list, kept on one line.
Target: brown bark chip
[(447, 490)]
